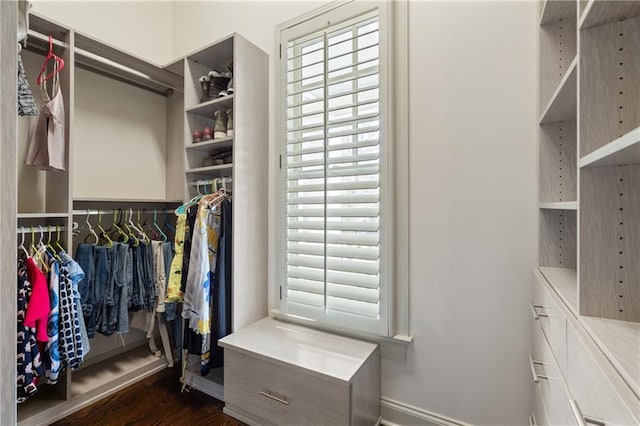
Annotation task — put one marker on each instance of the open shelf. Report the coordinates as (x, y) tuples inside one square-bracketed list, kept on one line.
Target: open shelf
[(565, 282), (212, 384), (212, 144), (216, 171), (207, 109), (93, 383), (558, 238), (561, 205), (598, 12), (624, 150), (558, 48), (554, 10), (557, 162), (563, 102), (610, 242), (609, 72), (46, 398)]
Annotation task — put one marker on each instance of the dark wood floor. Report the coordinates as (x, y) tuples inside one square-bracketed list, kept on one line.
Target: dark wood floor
[(154, 401)]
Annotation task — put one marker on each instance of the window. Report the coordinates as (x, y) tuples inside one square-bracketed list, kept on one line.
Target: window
[(334, 263)]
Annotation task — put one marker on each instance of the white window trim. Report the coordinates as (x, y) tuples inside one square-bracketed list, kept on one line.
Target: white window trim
[(397, 163)]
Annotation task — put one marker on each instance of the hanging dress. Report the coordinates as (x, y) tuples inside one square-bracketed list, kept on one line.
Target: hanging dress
[(47, 141)]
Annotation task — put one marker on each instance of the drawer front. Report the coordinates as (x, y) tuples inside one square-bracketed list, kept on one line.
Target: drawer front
[(552, 319), (272, 394), (589, 382), (552, 386), (539, 416)]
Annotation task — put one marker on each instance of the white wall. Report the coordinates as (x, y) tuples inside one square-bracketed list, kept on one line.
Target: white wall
[(473, 190), (472, 216), (139, 27)]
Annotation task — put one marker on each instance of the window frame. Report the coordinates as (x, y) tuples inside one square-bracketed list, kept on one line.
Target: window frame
[(394, 315)]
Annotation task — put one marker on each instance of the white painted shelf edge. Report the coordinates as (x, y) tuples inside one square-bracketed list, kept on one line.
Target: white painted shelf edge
[(564, 281), (42, 215), (206, 145), (624, 150), (209, 169), (209, 104), (560, 91), (560, 205)]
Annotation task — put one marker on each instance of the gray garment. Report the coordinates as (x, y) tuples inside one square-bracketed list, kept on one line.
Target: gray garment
[(23, 19), (26, 102)]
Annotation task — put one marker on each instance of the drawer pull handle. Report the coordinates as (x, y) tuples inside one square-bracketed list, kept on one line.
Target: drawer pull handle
[(532, 420), (536, 376), (584, 420), (268, 394), (536, 315)]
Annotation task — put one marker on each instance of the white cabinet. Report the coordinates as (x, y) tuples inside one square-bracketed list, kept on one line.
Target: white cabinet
[(283, 374)]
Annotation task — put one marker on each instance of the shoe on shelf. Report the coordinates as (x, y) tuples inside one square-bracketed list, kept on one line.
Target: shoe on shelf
[(219, 83), (196, 136), (230, 87), (212, 161), (220, 128), (229, 123), (207, 134), (205, 84)]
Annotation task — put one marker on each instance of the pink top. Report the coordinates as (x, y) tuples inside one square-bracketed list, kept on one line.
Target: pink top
[(38, 306)]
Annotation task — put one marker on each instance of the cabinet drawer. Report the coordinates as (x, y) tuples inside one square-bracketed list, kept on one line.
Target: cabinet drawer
[(552, 385), (552, 318), (539, 416), (590, 378), (269, 393)]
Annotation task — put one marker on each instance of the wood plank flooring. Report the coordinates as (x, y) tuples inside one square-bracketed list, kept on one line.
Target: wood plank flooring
[(155, 400)]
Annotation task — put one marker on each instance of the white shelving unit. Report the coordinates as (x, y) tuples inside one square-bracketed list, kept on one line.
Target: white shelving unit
[(92, 155), (248, 171), (589, 201)]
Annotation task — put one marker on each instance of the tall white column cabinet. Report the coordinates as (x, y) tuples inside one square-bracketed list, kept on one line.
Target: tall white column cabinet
[(128, 143), (585, 363)]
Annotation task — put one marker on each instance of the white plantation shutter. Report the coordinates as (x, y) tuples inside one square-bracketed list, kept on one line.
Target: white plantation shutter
[(332, 171)]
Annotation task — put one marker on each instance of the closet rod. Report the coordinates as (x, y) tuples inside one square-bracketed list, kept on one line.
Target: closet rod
[(42, 229), (107, 212)]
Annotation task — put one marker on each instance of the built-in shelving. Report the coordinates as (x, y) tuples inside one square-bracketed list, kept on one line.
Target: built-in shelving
[(207, 109), (599, 12), (562, 105), (207, 146), (212, 384), (126, 200), (561, 205), (623, 150)]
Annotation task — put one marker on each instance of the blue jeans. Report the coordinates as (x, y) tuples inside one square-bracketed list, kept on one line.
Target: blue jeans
[(103, 272), (85, 258)]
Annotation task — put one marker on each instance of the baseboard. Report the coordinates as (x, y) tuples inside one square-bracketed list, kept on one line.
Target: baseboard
[(395, 413)]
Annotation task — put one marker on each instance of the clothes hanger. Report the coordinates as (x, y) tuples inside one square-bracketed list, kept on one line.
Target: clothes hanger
[(118, 225), (166, 223), (155, 225), (21, 246), (58, 245), (133, 226), (58, 64), (150, 230), (92, 231), (140, 227), (50, 247), (183, 208), (103, 233), (136, 241), (39, 259)]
